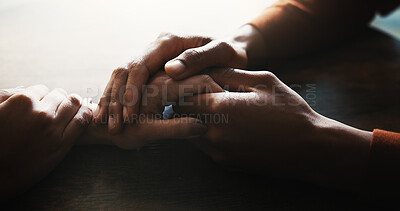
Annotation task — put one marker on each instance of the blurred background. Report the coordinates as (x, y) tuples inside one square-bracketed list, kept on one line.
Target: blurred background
[(76, 44)]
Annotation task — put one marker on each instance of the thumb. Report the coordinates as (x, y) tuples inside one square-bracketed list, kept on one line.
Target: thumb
[(213, 54), (241, 80)]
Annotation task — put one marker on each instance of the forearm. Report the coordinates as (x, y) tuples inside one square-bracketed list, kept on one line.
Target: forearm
[(344, 152), (293, 28)]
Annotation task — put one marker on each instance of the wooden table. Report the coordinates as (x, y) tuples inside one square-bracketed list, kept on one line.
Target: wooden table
[(357, 82)]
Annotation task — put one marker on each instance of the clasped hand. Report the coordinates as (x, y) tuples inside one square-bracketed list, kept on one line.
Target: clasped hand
[(267, 125)]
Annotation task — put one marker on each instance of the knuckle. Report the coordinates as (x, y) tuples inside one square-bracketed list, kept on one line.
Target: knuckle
[(80, 120), (113, 107), (130, 99), (268, 76), (165, 38), (227, 47), (22, 99), (87, 111), (87, 114), (43, 117), (164, 34), (119, 72), (117, 95), (193, 55), (134, 65), (5, 93), (224, 45), (84, 118), (128, 96), (138, 68), (75, 99), (115, 99)]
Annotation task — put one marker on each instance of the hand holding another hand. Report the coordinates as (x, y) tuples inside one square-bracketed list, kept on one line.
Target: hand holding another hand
[(180, 57), (149, 125), (270, 128)]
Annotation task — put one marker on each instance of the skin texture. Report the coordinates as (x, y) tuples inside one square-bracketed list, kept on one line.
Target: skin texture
[(271, 129), (161, 91), (180, 57), (38, 128), (261, 131)]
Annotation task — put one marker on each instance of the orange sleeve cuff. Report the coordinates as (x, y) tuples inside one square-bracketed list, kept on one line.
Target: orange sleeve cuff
[(383, 172)]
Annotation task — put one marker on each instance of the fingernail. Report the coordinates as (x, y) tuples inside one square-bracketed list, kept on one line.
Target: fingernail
[(175, 67), (198, 129)]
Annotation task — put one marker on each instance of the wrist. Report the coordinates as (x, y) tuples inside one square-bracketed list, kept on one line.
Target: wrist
[(251, 41), (345, 152)]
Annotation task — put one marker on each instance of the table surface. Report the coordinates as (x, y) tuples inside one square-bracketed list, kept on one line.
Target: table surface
[(356, 82)]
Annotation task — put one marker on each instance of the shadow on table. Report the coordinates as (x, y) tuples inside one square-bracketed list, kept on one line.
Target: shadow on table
[(357, 83)]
